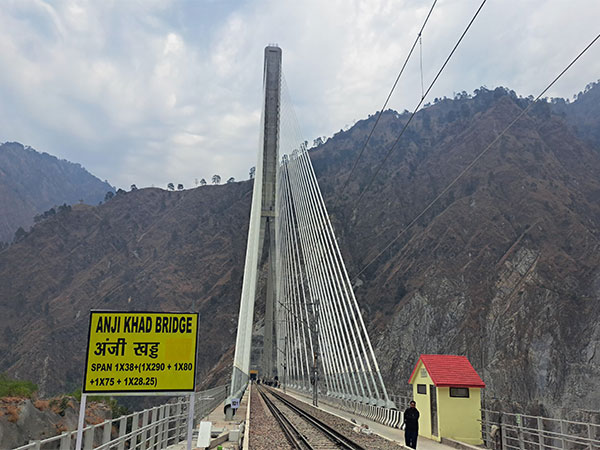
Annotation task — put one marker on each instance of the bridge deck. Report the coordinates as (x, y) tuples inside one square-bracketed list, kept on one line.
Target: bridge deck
[(392, 434)]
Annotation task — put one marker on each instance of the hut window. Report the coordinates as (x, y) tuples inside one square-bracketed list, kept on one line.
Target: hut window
[(459, 392), (421, 389)]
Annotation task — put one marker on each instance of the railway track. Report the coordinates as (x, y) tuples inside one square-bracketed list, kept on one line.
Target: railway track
[(303, 430)]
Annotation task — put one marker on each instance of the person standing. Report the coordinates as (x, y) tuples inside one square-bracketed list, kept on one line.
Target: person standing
[(411, 425)]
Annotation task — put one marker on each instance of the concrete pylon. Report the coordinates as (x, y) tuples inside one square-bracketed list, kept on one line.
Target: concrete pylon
[(272, 89), (262, 224)]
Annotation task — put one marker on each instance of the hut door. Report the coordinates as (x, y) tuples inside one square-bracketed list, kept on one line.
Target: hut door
[(433, 408)]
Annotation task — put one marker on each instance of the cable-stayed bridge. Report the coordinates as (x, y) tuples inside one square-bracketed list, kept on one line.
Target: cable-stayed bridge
[(313, 329), (315, 342), (317, 312)]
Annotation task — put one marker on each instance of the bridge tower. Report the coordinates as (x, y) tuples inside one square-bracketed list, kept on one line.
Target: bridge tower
[(272, 90), (291, 232), (261, 231)]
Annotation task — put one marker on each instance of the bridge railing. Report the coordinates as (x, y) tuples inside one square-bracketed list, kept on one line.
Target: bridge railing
[(401, 401), (507, 431), (386, 416), (207, 401), (152, 428)]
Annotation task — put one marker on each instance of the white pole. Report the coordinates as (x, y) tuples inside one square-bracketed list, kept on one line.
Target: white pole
[(190, 425), (80, 423)]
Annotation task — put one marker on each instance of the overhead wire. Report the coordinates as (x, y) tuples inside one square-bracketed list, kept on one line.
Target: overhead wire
[(393, 147), (390, 95), (421, 64), (476, 159)]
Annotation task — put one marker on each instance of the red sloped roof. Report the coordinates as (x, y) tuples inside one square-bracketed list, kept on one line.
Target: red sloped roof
[(449, 370)]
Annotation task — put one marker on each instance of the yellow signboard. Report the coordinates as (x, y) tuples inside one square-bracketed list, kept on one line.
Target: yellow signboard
[(141, 352)]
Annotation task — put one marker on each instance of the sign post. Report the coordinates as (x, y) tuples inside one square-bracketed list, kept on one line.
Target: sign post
[(80, 422), (137, 353), (190, 427)]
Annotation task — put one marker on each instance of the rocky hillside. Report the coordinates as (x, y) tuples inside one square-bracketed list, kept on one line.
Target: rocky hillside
[(23, 420), (32, 183), (149, 249), (504, 268)]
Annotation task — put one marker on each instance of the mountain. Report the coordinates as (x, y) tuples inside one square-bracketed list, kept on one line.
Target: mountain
[(148, 249), (32, 183), (504, 268), (582, 114)]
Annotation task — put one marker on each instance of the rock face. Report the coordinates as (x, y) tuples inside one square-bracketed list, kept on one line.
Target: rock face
[(22, 420), (504, 267), (32, 183)]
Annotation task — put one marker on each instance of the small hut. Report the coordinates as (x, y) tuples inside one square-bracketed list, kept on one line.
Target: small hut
[(447, 391)]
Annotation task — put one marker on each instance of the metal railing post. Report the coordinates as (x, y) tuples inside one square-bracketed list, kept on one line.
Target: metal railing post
[(160, 427), (153, 427), (165, 434), (502, 433), (484, 434), (540, 426), (88, 439), (65, 441), (106, 432), (520, 432), (168, 422), (135, 424), (145, 432), (178, 420), (122, 432)]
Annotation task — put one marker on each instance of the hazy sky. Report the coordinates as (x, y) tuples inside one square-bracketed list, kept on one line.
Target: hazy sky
[(151, 92)]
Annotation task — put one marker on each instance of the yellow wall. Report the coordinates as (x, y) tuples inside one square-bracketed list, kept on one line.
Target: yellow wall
[(459, 417), (423, 402)]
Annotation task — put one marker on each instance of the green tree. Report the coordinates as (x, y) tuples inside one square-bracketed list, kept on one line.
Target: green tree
[(20, 234), (64, 208)]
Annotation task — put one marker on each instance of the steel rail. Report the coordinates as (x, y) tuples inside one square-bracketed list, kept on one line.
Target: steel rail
[(338, 438), (293, 435)]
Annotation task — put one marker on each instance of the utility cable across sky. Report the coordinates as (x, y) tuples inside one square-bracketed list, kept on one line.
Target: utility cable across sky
[(395, 144), (418, 39), (477, 158)]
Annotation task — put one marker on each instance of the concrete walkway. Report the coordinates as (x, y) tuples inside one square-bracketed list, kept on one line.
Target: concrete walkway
[(217, 418), (392, 434)]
